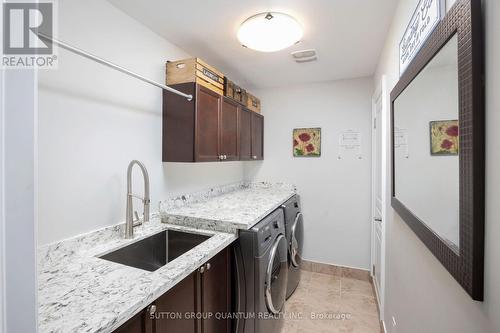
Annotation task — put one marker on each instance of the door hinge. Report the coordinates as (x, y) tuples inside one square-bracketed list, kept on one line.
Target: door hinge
[(373, 270)]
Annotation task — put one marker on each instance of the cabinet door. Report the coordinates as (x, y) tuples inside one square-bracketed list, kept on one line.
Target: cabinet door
[(207, 125), (140, 323), (216, 293), (229, 130), (245, 134), (257, 136), (178, 125), (174, 304)]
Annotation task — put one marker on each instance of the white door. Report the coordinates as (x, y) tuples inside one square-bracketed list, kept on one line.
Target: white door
[(379, 164), (377, 191)]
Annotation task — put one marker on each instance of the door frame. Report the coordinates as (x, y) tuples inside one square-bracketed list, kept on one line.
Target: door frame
[(381, 92), (19, 203)]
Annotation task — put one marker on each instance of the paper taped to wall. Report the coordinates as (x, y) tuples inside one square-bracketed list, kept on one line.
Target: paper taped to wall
[(349, 140)]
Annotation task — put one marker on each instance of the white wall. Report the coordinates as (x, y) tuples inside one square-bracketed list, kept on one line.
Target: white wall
[(93, 121), (420, 293), (335, 193)]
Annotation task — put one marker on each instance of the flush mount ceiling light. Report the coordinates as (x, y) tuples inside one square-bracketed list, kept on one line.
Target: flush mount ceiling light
[(269, 32)]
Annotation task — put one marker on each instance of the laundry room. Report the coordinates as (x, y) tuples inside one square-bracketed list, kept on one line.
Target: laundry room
[(249, 166)]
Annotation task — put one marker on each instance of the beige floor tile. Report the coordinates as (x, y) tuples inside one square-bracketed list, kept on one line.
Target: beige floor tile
[(289, 327), (326, 303), (357, 286), (363, 304)]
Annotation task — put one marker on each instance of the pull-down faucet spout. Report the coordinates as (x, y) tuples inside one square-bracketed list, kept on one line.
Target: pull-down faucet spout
[(130, 223)]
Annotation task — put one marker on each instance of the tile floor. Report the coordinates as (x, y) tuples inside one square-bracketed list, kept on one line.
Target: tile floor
[(331, 304)]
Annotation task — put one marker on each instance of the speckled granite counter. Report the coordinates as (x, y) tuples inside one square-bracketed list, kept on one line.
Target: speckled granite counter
[(79, 292), (226, 208)]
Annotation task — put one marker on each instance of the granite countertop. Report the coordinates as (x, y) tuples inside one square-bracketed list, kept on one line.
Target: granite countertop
[(226, 208), (78, 292)]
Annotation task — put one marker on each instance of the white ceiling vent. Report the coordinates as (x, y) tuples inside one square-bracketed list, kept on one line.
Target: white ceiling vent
[(304, 55)]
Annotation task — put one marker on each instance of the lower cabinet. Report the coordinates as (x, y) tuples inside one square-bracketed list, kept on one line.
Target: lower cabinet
[(198, 304), (176, 308), (140, 323), (215, 294)]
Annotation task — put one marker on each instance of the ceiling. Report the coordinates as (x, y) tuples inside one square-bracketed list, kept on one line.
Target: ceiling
[(347, 34)]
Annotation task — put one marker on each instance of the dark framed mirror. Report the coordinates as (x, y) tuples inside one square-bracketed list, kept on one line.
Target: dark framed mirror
[(437, 110)]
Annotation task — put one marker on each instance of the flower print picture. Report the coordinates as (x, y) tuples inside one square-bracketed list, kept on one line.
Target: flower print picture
[(307, 142), (444, 137)]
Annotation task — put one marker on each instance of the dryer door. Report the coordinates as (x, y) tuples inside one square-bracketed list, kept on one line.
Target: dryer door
[(276, 276), (296, 240)]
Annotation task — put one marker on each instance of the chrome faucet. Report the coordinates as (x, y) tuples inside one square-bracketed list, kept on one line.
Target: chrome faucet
[(130, 223)]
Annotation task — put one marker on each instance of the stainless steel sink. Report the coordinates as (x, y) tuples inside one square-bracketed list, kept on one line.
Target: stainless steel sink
[(156, 251)]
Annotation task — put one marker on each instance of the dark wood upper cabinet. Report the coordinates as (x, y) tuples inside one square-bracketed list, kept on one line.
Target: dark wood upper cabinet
[(257, 136), (207, 125), (178, 125), (208, 128), (245, 134), (229, 141), (251, 135), (191, 128)]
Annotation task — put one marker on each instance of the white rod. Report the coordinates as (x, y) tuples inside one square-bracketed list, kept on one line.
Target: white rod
[(112, 65)]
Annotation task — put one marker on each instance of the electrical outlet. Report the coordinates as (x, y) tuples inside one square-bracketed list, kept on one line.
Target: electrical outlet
[(394, 325)]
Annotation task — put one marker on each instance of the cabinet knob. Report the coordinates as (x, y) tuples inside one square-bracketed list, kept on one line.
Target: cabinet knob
[(208, 266), (254, 157), (202, 269), (152, 309), (221, 157), (225, 157)]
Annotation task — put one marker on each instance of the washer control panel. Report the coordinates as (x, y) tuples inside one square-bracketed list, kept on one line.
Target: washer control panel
[(268, 229)]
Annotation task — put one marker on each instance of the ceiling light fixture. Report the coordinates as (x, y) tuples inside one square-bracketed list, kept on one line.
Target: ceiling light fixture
[(269, 32)]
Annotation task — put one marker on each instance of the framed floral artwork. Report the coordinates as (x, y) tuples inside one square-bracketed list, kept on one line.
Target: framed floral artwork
[(444, 137), (307, 142)]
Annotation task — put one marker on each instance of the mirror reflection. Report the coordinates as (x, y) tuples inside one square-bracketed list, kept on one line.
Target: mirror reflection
[(426, 145)]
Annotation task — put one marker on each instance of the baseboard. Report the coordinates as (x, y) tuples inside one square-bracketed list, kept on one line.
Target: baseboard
[(342, 271)]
